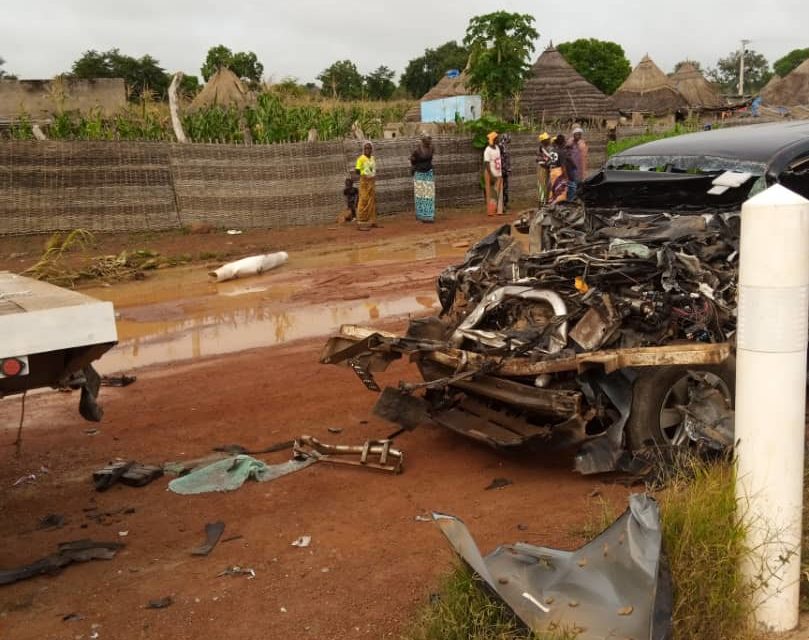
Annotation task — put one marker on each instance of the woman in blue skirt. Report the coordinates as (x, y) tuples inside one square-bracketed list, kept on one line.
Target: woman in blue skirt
[(421, 165)]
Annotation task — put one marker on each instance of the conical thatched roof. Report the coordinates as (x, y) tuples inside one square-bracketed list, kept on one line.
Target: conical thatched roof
[(556, 91), (446, 87), (648, 90), (768, 89), (223, 89), (791, 90), (693, 86)]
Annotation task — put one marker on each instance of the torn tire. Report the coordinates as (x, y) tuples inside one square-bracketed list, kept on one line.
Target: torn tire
[(655, 419)]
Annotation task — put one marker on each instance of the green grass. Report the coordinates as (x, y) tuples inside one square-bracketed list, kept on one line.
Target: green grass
[(704, 541), (462, 610)]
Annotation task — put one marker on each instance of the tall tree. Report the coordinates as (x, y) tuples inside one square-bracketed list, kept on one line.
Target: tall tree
[(341, 80), (140, 74), (380, 84), (784, 65), (756, 71), (694, 63), (422, 73), (244, 64), (601, 62), (500, 47), (3, 73)]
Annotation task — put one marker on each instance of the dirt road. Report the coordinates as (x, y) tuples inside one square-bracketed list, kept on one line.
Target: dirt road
[(248, 374)]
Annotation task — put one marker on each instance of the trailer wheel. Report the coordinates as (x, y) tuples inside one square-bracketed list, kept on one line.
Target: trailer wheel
[(654, 419)]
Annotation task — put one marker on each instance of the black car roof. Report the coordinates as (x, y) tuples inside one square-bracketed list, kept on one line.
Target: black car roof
[(759, 143)]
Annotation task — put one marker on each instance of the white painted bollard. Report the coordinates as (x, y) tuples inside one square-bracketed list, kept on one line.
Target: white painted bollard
[(249, 266), (771, 396)]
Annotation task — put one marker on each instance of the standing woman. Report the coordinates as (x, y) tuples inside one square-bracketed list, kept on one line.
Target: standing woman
[(421, 164), (493, 176), (544, 161), (366, 170)]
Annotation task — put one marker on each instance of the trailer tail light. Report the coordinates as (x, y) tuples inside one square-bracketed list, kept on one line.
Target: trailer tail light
[(13, 367)]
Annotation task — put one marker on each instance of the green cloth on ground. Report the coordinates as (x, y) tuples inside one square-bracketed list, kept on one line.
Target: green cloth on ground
[(231, 473)]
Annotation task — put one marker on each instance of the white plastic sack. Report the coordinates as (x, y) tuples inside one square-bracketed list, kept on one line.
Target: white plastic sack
[(250, 266)]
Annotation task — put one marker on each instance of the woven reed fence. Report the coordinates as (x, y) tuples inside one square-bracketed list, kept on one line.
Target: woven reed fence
[(134, 186)]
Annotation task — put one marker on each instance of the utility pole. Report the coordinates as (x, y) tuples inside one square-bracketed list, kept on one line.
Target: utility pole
[(741, 67)]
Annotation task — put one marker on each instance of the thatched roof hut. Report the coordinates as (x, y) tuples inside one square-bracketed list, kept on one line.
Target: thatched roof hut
[(693, 86), (556, 91), (223, 89), (446, 87), (791, 90), (648, 90)]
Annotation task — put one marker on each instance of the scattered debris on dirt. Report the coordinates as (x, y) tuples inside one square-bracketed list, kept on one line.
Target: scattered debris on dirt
[(231, 473), (238, 571), (131, 473), (160, 603), (213, 532), (67, 553), (122, 380), (388, 458), (51, 521), (498, 483), (616, 585), (302, 542)]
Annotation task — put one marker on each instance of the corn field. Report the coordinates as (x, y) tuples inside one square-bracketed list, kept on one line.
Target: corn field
[(272, 118)]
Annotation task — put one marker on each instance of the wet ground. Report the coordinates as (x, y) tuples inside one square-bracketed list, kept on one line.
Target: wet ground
[(237, 362)]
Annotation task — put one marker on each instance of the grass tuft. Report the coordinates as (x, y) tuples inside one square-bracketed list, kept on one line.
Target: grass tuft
[(463, 610), (704, 538)]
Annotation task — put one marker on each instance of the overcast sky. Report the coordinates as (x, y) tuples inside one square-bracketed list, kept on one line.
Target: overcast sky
[(300, 38)]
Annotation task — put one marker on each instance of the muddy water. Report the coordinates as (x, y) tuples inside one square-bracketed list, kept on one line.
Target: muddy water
[(180, 314)]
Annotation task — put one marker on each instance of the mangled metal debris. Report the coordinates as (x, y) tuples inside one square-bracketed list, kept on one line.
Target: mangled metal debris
[(373, 454), (548, 346), (615, 586), (66, 553)]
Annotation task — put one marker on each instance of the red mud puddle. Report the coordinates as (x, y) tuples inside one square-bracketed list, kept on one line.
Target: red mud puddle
[(181, 314)]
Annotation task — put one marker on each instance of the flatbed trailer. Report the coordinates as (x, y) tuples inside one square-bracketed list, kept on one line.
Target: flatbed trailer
[(50, 336)]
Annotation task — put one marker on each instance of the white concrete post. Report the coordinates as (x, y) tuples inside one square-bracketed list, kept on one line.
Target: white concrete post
[(771, 396)]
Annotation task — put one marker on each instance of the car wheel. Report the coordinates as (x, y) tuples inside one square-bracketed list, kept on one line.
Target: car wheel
[(655, 419)]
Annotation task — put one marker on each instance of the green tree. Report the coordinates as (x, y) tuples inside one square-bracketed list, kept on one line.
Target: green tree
[(341, 80), (380, 84), (189, 85), (244, 64), (500, 47), (422, 73), (3, 73), (756, 71), (139, 74), (694, 63), (601, 62), (784, 65)]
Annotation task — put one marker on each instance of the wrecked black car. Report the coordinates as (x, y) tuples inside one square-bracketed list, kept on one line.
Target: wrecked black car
[(614, 337), (716, 169), (612, 331)]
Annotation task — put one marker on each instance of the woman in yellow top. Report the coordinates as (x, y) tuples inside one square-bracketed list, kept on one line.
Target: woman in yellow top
[(366, 170)]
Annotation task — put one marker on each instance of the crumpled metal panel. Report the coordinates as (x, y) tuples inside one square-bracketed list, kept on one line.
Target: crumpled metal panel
[(616, 586)]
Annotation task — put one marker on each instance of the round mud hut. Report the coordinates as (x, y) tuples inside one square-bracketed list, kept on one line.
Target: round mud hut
[(556, 92), (790, 91), (697, 91), (223, 89), (648, 91)]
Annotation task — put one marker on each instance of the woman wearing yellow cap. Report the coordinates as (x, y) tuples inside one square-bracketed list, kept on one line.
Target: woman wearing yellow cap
[(493, 176), (544, 160)]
